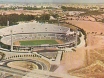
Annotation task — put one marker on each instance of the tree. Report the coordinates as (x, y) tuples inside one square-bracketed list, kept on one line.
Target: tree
[(43, 18), (14, 18), (63, 7), (55, 15)]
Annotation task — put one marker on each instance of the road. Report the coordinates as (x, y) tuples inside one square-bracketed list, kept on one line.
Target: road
[(25, 74)]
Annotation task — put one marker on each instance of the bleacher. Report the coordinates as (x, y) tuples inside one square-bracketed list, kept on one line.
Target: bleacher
[(36, 31)]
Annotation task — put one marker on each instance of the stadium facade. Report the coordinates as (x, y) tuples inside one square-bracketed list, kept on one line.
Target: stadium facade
[(36, 31)]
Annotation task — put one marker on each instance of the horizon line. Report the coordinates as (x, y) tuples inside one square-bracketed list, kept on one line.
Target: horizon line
[(52, 2)]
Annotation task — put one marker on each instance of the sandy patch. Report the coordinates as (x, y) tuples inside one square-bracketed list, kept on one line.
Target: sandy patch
[(22, 65), (89, 26), (60, 41), (72, 60), (16, 43)]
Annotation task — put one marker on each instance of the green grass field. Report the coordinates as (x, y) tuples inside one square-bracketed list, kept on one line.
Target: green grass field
[(38, 42)]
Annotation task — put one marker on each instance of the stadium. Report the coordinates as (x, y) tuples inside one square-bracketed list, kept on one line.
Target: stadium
[(29, 46), (33, 35)]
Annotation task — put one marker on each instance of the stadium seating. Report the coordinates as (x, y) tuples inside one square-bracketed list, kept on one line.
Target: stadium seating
[(35, 31)]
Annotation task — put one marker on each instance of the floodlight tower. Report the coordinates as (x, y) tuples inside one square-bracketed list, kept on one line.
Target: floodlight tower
[(11, 37), (7, 23), (76, 37), (11, 40), (58, 21)]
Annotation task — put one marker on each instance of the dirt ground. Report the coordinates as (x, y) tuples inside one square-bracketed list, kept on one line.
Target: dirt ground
[(89, 26), (60, 41), (83, 59), (72, 60), (16, 43), (23, 65)]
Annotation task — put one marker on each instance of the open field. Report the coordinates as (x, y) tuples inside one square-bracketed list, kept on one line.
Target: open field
[(38, 42), (22, 65), (94, 65), (89, 26), (86, 62)]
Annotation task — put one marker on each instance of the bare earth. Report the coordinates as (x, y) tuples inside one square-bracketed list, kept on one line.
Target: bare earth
[(17, 43), (23, 65), (88, 26), (85, 58), (72, 60), (59, 41)]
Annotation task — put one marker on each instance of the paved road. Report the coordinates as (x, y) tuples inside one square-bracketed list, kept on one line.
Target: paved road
[(82, 43), (12, 71), (25, 74)]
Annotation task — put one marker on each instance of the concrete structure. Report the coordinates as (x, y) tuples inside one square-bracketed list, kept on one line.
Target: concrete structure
[(35, 31)]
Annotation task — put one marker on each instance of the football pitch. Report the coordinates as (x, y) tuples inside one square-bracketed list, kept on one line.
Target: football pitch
[(38, 42)]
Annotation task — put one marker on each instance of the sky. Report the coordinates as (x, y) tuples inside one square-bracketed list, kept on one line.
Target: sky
[(60, 1)]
